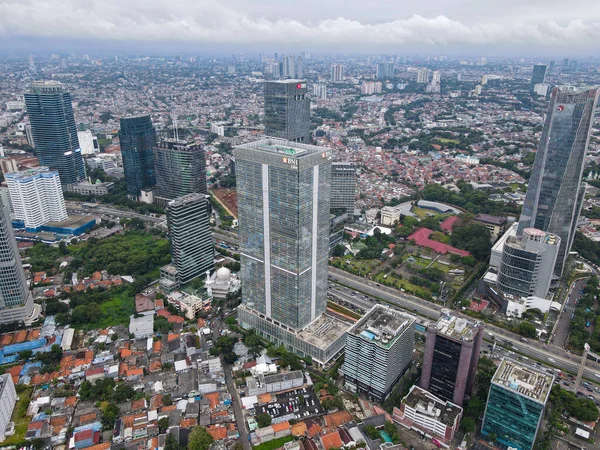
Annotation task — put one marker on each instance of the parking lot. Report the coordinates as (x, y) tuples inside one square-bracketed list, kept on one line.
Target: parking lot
[(300, 404)]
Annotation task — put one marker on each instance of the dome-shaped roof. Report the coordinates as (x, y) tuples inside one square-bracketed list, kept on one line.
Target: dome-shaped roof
[(223, 274)]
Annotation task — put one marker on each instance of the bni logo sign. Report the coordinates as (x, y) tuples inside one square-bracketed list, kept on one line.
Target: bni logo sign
[(301, 86), (561, 108)]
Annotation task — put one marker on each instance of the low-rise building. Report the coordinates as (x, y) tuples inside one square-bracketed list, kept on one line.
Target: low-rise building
[(422, 411), (87, 188), (495, 224), (274, 383)]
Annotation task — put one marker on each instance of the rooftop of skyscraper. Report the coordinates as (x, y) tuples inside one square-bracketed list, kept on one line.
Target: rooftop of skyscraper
[(283, 147), (428, 404), (456, 328), (534, 235), (25, 175), (525, 380), (381, 325), (42, 86), (185, 199), (323, 331), (287, 81)]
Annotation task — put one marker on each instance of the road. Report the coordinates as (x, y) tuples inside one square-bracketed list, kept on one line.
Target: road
[(76, 208), (564, 321)]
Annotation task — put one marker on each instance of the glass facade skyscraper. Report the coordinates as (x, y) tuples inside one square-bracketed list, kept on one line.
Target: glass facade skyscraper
[(138, 139), (538, 76), (16, 302), (555, 193), (515, 406), (283, 193), (180, 170), (53, 129), (343, 187), (287, 110)]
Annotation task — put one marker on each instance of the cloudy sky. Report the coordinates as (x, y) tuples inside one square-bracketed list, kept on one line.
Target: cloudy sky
[(312, 25)]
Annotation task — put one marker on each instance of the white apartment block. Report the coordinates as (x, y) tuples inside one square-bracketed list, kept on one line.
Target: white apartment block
[(36, 196), (8, 399)]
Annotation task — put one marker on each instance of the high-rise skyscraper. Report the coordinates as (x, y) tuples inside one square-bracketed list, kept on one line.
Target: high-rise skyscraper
[(515, 406), (555, 193), (283, 193), (337, 73), (192, 249), (378, 350), (287, 110), (37, 197), (423, 76), (289, 66), (451, 356), (53, 128), (343, 187), (138, 139), (538, 76), (528, 263), (16, 302), (180, 169), (385, 70)]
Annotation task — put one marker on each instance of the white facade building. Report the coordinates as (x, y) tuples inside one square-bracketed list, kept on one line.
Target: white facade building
[(36, 196), (423, 76), (8, 399), (88, 142)]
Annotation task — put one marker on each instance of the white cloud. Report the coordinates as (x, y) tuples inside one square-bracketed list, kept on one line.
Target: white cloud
[(216, 22)]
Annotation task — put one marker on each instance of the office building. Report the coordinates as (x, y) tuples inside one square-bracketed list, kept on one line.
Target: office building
[(495, 224), (16, 302), (288, 63), (538, 76), (138, 139), (515, 406), (88, 142), (434, 85), (451, 356), (37, 197), (8, 400), (555, 193), (180, 169), (367, 88), (343, 187), (378, 350), (283, 211), (53, 129), (484, 79), (272, 70), (385, 70), (192, 249), (337, 73), (287, 110), (423, 76), (527, 263), (427, 414)]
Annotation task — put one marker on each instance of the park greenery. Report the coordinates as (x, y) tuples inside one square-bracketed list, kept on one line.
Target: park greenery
[(199, 439), (584, 317), (105, 390)]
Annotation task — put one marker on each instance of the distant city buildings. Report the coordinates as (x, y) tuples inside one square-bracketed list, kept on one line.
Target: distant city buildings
[(53, 129), (180, 169), (378, 350), (138, 139), (516, 402), (538, 76), (16, 302), (37, 197), (320, 91), (555, 193), (385, 70), (434, 85), (527, 263), (343, 187), (451, 355), (371, 87), (423, 76), (287, 110), (337, 73), (192, 249)]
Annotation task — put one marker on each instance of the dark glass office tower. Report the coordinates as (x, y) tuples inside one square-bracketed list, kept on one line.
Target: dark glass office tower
[(180, 170), (138, 139), (287, 110), (538, 76), (343, 187), (555, 192), (53, 129), (451, 356), (16, 302)]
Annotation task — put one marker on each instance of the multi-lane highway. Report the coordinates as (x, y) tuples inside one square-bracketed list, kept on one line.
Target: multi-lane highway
[(107, 211)]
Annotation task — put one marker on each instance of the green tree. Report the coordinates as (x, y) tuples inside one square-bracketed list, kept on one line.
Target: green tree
[(167, 400), (163, 424), (263, 420), (199, 439), (110, 414), (62, 247), (171, 443), (338, 250), (372, 432), (527, 329), (468, 425)]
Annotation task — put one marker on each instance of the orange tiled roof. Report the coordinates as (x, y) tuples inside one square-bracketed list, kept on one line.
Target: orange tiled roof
[(332, 440), (299, 429), (280, 426), (156, 401), (163, 313), (213, 398), (156, 347), (172, 336), (314, 430), (201, 322), (135, 372), (19, 337), (168, 408), (159, 303), (175, 319), (6, 339), (102, 446), (128, 420), (87, 418), (58, 420), (188, 422), (155, 366), (125, 352), (14, 372), (217, 432), (70, 401), (336, 419)]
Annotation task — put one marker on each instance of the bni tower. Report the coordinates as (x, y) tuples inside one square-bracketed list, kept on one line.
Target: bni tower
[(555, 193), (53, 128), (287, 110), (283, 191)]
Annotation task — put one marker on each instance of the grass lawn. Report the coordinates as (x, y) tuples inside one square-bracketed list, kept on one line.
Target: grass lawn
[(447, 141), (363, 266), (19, 418), (275, 443), (422, 213)]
